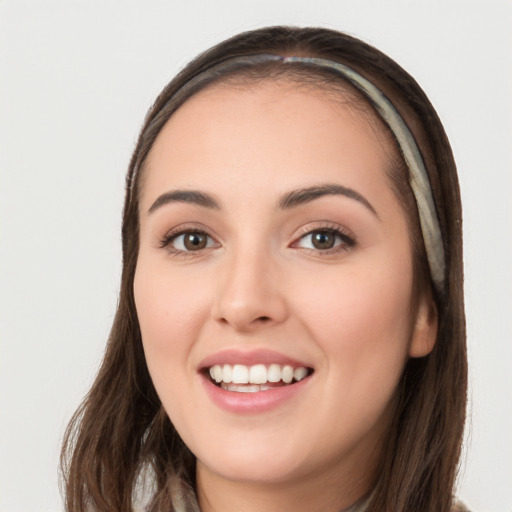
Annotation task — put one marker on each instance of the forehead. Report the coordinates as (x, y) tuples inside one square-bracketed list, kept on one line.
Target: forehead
[(271, 130)]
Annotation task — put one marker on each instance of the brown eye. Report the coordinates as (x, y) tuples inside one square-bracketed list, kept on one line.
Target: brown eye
[(323, 240), (188, 241), (195, 241)]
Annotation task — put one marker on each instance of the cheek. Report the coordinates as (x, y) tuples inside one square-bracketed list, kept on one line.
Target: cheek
[(363, 325), (170, 314), (169, 305)]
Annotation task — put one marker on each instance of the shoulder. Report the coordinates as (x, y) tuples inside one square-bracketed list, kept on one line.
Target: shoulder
[(459, 507)]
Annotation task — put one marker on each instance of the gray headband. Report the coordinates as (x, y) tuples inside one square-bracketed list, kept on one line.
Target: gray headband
[(418, 176)]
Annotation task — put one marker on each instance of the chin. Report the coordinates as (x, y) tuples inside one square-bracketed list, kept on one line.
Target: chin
[(256, 461), (258, 470)]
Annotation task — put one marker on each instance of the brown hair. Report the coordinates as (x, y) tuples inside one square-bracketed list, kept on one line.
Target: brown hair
[(121, 427)]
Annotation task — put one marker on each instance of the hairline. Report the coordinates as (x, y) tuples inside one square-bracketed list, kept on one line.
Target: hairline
[(333, 88), (327, 85)]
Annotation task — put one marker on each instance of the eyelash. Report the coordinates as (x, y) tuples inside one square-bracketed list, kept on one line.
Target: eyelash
[(346, 240), (173, 235)]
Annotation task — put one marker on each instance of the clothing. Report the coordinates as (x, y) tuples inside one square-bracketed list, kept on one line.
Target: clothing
[(459, 507), (360, 506)]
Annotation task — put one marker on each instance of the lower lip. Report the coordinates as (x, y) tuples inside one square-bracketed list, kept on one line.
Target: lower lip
[(252, 403)]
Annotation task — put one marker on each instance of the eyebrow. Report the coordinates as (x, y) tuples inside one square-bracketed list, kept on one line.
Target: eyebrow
[(287, 201), (306, 195), (185, 196)]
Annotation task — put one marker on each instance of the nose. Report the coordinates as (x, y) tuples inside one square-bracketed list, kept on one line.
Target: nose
[(250, 294)]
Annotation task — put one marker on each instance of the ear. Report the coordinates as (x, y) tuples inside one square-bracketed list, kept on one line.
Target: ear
[(425, 328)]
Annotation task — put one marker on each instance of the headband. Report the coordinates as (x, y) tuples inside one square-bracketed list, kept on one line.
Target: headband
[(418, 176)]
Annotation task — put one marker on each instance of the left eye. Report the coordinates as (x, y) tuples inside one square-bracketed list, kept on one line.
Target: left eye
[(324, 239), (190, 241)]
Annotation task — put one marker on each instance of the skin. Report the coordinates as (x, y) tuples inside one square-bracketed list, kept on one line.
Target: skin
[(261, 284)]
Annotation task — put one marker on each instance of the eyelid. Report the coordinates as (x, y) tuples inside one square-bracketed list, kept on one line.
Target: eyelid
[(348, 238), (174, 233)]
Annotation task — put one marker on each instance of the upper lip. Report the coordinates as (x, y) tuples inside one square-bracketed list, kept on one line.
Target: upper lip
[(249, 358)]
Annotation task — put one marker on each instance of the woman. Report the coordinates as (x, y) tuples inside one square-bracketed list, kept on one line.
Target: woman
[(290, 333)]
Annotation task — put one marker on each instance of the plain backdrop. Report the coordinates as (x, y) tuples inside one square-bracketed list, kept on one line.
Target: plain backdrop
[(76, 78)]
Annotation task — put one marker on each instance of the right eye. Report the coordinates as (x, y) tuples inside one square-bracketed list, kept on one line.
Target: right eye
[(188, 241)]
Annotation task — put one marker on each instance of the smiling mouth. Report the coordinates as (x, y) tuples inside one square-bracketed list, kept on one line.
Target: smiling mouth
[(259, 377)]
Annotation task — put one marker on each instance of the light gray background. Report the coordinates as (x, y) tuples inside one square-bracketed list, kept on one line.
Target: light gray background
[(76, 78)]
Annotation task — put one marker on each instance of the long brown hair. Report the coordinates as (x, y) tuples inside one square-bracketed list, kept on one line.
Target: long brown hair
[(121, 428)]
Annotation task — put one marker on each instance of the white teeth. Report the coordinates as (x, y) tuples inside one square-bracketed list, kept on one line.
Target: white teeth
[(230, 376), (240, 374), (287, 374), (299, 373), (253, 388), (258, 374), (227, 373), (217, 373), (274, 373)]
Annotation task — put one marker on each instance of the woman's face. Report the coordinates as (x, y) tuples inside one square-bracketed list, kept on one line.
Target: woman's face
[(273, 249)]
